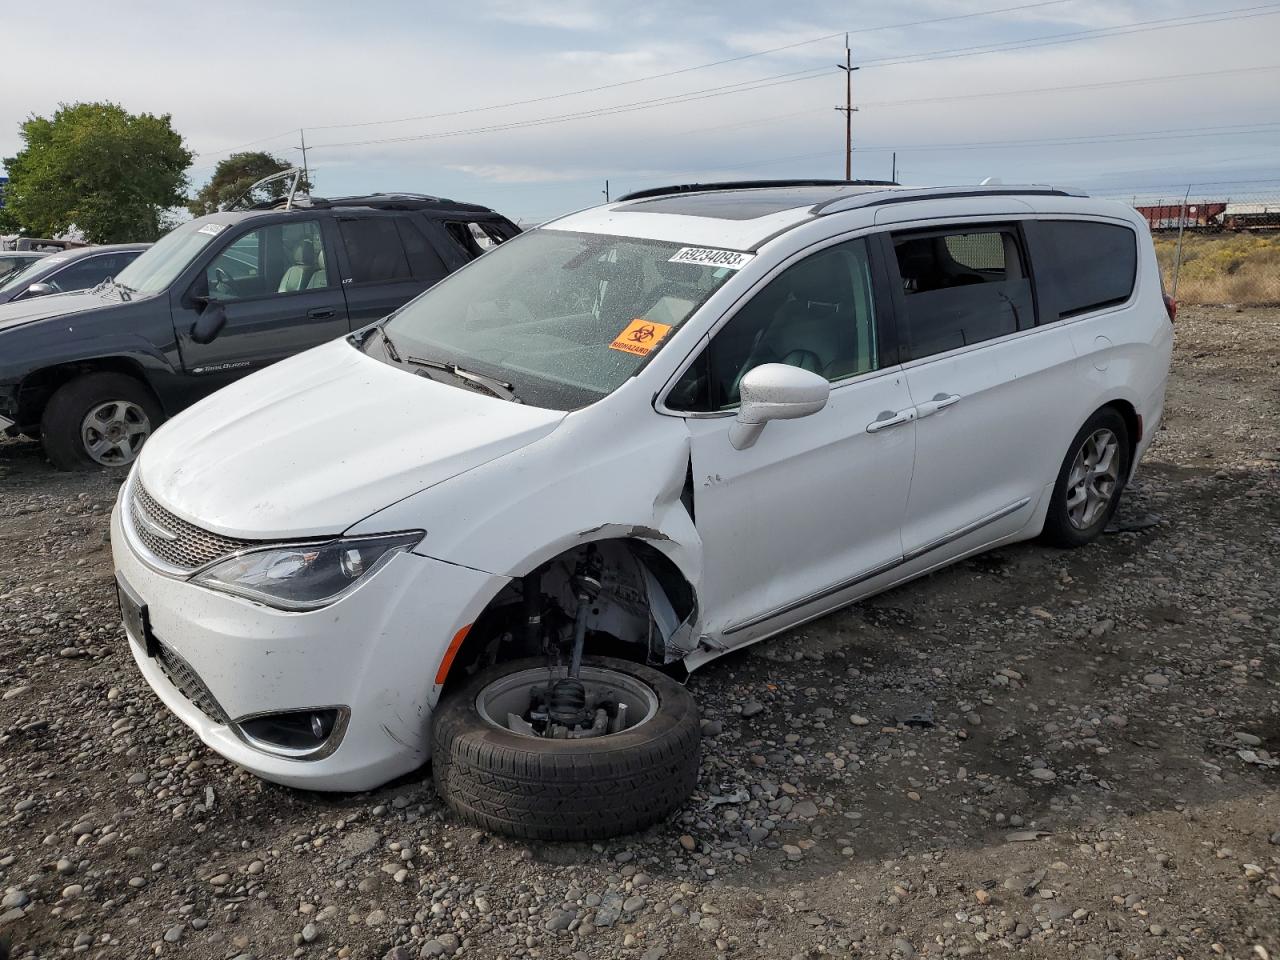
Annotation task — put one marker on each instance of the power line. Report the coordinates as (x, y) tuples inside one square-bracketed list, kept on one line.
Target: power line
[(758, 83), (1240, 13), (684, 70), (741, 88)]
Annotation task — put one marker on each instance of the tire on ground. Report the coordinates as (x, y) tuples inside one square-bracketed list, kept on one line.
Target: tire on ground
[(589, 789), (70, 404), (1058, 528)]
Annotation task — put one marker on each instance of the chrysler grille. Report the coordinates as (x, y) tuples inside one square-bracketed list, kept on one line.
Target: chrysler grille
[(186, 546)]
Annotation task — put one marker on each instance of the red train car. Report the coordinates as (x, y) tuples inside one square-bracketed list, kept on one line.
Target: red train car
[(1199, 215)]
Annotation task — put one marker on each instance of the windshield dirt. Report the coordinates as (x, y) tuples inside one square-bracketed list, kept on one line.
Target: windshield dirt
[(157, 267), (564, 318)]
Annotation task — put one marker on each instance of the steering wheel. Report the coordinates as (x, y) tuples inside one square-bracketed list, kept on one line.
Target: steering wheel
[(222, 281)]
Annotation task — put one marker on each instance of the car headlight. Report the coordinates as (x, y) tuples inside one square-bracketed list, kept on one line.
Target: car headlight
[(305, 576)]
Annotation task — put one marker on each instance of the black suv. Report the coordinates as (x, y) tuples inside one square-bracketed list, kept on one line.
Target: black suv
[(93, 373)]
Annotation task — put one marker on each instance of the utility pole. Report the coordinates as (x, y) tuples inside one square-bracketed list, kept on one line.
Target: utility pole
[(893, 176), (848, 109), (606, 191)]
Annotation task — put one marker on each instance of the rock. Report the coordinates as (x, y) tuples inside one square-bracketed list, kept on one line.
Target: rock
[(1248, 739), (688, 843), (18, 898), (1044, 773), (858, 720), (71, 891), (792, 852), (712, 729), (398, 953), (310, 932), (1156, 680), (632, 904), (751, 708), (560, 921), (173, 934), (805, 809)]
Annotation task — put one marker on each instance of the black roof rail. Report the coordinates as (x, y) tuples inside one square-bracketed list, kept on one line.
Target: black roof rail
[(388, 201), (747, 185), (909, 194)]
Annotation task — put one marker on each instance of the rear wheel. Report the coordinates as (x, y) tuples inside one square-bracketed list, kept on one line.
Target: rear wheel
[(1090, 481), (497, 770), (98, 420)]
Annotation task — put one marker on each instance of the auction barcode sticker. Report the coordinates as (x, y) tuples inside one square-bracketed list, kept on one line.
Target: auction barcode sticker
[(709, 257)]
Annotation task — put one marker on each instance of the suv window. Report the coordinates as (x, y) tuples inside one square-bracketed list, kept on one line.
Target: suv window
[(374, 249), (423, 259), (280, 258), (818, 314), (1092, 265), (961, 288)]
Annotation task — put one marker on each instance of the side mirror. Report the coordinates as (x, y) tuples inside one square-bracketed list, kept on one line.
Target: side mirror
[(776, 391), (39, 290), (209, 324)]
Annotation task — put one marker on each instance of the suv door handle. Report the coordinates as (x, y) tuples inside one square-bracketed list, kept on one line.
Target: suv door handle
[(940, 402), (321, 313), (888, 418)]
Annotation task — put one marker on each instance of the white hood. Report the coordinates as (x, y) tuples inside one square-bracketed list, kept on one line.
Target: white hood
[(316, 443)]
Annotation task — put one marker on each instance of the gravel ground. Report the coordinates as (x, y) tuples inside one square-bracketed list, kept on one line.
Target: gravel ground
[(1063, 754)]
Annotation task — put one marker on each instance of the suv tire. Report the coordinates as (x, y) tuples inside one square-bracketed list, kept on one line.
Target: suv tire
[(1090, 481), (125, 411), (542, 789)]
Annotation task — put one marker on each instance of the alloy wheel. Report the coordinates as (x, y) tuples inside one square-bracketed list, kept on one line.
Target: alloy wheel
[(1094, 479), (113, 432)]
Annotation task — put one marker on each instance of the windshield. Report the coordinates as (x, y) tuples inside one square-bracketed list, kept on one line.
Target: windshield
[(565, 318), (157, 267), (20, 278)]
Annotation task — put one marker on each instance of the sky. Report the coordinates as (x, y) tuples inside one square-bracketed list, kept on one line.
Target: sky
[(501, 101)]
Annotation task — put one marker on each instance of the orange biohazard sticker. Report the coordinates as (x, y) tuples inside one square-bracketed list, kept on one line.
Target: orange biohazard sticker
[(640, 337)]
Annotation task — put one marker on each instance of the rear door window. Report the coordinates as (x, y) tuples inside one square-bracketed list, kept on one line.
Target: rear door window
[(962, 287), (1085, 265), (423, 259), (375, 251)]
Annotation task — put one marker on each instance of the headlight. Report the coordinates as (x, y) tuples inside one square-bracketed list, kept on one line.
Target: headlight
[(305, 576)]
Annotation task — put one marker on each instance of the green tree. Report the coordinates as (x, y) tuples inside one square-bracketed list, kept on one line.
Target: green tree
[(233, 176), (113, 174)]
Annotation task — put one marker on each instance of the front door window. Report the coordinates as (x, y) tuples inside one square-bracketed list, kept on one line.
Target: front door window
[(276, 259)]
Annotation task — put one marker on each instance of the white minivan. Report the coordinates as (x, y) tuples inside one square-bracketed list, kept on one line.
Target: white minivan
[(496, 528)]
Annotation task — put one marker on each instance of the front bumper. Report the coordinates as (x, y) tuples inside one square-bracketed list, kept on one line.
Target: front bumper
[(374, 652)]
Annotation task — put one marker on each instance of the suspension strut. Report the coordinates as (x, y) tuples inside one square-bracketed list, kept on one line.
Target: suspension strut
[(567, 702)]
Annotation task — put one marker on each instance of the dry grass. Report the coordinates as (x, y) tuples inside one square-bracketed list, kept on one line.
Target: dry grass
[(1223, 268)]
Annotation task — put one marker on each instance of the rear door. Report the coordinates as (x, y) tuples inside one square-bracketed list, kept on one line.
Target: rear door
[(280, 297), (991, 388), (386, 262)]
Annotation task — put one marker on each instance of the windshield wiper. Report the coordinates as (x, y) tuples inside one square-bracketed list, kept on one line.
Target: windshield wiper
[(499, 388), (391, 347), (126, 293)]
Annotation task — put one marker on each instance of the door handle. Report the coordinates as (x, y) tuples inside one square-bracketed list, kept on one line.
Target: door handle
[(888, 418), (321, 313), (940, 402)]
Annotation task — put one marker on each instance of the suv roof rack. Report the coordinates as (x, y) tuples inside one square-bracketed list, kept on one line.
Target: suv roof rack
[(908, 194), (747, 185), (385, 201)]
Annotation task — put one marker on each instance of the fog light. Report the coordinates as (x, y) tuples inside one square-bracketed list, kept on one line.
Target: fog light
[(298, 731)]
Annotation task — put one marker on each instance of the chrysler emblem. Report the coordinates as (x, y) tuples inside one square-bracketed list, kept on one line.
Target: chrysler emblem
[(144, 520)]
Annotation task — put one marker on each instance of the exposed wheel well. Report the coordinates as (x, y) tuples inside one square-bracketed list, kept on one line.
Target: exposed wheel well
[(499, 632), (1132, 421), (37, 387)]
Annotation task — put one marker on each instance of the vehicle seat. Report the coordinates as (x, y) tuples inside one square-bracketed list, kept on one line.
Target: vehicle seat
[(320, 278), (304, 266)]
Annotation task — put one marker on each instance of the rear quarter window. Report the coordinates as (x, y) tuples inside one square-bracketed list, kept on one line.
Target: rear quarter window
[(1083, 266)]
